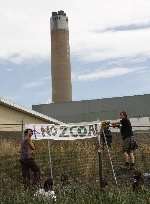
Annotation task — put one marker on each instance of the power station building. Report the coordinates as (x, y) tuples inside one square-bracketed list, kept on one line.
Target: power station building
[(63, 108), (60, 58), (103, 109), (66, 110)]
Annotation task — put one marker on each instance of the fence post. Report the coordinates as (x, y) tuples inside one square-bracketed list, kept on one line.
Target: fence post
[(100, 168), (22, 128), (100, 162), (50, 159)]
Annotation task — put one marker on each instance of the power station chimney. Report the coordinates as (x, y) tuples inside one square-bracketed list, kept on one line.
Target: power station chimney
[(60, 58)]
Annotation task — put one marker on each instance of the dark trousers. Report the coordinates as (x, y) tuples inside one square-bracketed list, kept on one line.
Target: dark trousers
[(29, 165)]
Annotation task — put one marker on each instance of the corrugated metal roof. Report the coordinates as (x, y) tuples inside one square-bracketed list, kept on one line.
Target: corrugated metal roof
[(21, 108)]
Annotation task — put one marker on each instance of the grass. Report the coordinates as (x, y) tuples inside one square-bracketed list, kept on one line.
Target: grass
[(78, 195), (79, 160), (8, 148)]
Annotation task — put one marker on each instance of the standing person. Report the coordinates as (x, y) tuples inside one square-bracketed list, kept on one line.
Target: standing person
[(129, 144), (27, 160), (105, 133)]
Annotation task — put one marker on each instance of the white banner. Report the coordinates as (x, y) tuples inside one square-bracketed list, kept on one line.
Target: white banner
[(67, 132)]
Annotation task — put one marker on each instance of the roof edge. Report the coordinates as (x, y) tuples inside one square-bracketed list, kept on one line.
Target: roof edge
[(24, 109)]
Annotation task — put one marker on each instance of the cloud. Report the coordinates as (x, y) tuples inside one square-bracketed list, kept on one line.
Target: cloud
[(104, 73), (9, 69), (32, 84), (25, 26), (36, 84), (25, 43), (16, 58), (128, 27), (101, 46), (49, 100)]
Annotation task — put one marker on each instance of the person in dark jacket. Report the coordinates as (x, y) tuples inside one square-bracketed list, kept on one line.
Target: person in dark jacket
[(27, 161), (129, 144), (106, 135)]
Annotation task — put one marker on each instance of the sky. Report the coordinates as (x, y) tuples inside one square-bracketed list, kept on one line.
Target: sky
[(109, 47)]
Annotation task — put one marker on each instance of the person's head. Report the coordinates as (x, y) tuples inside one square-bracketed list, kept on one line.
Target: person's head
[(48, 184), (105, 124), (28, 133), (123, 114)]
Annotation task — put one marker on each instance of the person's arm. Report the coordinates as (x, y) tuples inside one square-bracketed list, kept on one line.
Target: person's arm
[(31, 144), (116, 125)]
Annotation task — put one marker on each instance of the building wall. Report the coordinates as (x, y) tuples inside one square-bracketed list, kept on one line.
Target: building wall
[(11, 116), (102, 109)]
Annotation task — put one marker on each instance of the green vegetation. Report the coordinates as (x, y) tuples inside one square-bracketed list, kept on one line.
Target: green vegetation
[(78, 195), (79, 160)]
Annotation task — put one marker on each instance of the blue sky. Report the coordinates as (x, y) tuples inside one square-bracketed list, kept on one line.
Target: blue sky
[(109, 41)]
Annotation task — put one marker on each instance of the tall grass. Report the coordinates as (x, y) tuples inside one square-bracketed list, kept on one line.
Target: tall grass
[(79, 160), (78, 195), (8, 148)]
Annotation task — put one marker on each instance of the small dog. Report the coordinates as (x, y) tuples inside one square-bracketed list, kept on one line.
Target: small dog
[(138, 181)]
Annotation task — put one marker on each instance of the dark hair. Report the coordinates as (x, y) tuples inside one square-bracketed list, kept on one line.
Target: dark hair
[(124, 114), (48, 184), (26, 131)]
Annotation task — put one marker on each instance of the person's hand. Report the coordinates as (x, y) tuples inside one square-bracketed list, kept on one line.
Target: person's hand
[(31, 144), (115, 125)]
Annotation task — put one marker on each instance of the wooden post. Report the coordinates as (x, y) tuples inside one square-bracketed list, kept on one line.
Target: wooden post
[(100, 168), (100, 161), (50, 159), (22, 129)]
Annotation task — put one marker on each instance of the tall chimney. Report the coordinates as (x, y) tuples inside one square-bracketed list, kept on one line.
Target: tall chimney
[(60, 58)]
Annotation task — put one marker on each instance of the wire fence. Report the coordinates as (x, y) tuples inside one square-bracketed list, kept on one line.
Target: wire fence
[(77, 159)]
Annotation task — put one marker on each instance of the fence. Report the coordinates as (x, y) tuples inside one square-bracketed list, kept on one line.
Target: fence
[(78, 159)]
